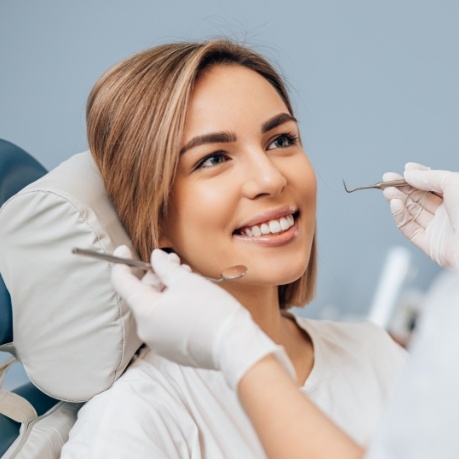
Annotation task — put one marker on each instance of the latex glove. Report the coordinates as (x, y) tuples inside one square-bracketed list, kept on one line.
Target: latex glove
[(430, 221), (192, 321)]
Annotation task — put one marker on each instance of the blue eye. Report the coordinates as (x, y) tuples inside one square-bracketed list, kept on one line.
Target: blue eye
[(283, 141), (212, 160)]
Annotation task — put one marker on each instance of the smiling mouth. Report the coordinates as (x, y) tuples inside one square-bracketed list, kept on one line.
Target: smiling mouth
[(271, 227)]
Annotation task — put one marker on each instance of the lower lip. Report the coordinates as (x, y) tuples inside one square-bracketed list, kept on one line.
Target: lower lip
[(272, 240)]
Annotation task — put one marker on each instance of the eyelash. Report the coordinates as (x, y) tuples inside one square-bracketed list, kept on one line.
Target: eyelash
[(215, 154), (291, 138)]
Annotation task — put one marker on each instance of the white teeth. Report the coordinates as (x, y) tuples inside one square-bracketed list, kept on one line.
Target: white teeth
[(271, 227), (265, 229), (284, 224), (274, 226), (256, 231)]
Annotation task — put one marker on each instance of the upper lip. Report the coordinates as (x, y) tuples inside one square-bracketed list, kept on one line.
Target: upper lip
[(268, 215)]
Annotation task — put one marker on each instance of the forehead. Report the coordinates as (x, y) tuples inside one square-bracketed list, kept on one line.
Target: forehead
[(226, 93)]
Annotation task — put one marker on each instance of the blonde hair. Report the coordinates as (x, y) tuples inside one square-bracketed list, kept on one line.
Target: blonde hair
[(135, 121)]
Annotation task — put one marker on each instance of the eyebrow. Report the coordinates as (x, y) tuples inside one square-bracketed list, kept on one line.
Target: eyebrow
[(226, 137), (277, 120), (216, 137)]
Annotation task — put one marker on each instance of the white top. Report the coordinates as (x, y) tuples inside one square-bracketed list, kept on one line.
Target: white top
[(159, 409)]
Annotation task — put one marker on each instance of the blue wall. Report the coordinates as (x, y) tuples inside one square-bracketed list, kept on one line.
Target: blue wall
[(375, 85)]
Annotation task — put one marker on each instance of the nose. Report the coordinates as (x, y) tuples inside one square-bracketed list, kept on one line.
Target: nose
[(262, 177)]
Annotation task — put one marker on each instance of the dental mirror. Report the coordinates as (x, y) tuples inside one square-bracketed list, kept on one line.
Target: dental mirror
[(231, 273), (228, 274)]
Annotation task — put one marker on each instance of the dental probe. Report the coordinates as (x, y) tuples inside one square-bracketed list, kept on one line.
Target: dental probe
[(379, 185), (228, 274)]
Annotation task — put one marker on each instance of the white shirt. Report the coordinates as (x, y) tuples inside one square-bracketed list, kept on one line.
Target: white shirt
[(159, 409)]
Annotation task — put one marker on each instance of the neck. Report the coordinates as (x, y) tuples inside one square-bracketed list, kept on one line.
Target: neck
[(263, 304)]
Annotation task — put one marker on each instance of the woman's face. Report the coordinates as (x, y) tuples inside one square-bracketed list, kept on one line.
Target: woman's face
[(245, 191)]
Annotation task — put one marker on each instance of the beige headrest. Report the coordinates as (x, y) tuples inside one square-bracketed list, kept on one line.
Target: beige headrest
[(72, 332)]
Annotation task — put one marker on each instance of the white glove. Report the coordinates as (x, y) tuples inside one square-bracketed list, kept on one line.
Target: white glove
[(189, 320), (430, 221)]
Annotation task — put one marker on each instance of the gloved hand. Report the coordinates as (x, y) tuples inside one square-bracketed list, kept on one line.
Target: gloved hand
[(189, 320), (427, 213)]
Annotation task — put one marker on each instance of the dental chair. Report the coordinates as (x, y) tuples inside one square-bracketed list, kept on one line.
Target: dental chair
[(59, 315), (17, 169)]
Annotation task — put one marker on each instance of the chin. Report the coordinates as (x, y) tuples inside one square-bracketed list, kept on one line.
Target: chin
[(276, 276)]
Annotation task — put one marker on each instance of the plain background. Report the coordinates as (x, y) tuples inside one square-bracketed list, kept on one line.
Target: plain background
[(374, 83)]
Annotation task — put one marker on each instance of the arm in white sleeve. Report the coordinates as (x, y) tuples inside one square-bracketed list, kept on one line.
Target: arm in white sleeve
[(421, 420)]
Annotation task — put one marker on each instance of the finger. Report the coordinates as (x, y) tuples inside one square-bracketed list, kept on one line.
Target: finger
[(173, 256), (124, 281), (396, 193), (152, 279), (417, 204), (400, 213), (167, 267), (123, 251), (425, 199), (389, 176), (419, 213), (121, 275), (406, 224), (428, 180), (137, 294), (442, 183), (416, 166), (149, 278), (187, 268)]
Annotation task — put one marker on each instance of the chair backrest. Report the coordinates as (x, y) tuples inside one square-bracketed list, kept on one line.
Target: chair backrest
[(71, 331), (17, 169)]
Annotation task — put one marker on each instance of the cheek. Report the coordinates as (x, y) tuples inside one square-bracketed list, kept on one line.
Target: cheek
[(199, 217), (302, 179)]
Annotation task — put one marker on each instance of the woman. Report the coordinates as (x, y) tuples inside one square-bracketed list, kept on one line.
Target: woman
[(287, 423), (200, 153)]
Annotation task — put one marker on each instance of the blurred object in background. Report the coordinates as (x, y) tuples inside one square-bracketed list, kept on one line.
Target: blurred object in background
[(405, 316), (397, 303), (396, 271)]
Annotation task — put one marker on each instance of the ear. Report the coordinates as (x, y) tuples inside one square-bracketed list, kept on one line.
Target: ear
[(164, 241), (167, 247)]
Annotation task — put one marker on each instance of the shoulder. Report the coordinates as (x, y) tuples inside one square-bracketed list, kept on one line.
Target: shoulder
[(360, 343), (350, 334), (139, 416)]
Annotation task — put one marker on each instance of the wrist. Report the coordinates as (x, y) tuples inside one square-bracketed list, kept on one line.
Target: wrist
[(243, 345)]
